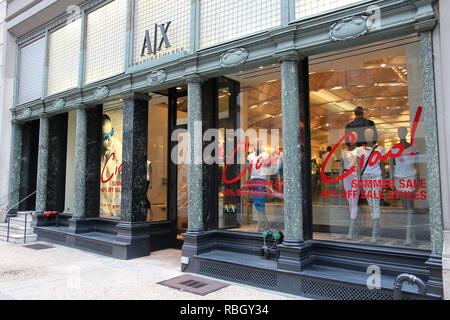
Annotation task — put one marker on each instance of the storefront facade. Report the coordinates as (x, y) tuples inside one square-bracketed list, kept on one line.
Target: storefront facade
[(202, 125)]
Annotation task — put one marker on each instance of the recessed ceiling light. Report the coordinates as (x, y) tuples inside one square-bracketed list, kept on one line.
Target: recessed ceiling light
[(179, 88), (383, 65), (261, 67), (254, 106)]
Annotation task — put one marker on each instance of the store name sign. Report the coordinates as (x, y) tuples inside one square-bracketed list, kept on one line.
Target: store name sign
[(159, 33)]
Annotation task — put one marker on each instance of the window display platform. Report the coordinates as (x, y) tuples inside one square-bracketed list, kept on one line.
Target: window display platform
[(328, 270), (106, 237), (351, 283)]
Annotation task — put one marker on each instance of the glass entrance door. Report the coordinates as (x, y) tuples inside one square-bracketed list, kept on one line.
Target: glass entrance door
[(182, 186), (178, 162)]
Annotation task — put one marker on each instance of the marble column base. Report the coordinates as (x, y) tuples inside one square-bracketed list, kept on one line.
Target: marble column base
[(78, 225), (446, 265), (294, 258), (434, 283), (136, 235)]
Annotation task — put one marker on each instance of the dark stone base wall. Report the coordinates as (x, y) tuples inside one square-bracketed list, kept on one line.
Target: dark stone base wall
[(323, 269), (111, 238)]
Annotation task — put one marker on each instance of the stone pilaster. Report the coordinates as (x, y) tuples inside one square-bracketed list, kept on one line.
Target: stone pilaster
[(134, 159), (195, 166), (292, 168), (294, 253), (77, 224), (433, 171), (42, 170), (80, 163), (15, 167), (134, 230)]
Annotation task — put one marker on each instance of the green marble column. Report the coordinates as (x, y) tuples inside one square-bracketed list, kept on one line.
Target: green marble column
[(431, 139), (42, 169), (195, 190), (292, 166), (80, 163), (15, 166)]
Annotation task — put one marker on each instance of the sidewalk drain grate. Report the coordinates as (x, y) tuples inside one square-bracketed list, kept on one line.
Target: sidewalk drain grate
[(38, 246), (195, 285)]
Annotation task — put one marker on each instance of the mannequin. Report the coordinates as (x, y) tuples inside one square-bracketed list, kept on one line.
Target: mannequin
[(403, 170), (348, 161), (258, 161), (371, 172)]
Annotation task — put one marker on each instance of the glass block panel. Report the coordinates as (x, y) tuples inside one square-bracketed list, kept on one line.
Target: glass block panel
[(154, 15), (222, 21), (31, 70), (305, 8), (64, 56), (105, 41)]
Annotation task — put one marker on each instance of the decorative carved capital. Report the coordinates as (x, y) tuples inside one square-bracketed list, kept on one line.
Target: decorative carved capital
[(291, 56), (194, 78)]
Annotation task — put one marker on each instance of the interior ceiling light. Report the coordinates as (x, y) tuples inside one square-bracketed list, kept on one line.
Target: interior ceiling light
[(391, 84), (383, 65), (332, 98)]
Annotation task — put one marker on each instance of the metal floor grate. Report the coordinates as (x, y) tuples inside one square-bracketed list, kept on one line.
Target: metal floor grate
[(338, 292), (193, 284), (239, 274), (38, 246)]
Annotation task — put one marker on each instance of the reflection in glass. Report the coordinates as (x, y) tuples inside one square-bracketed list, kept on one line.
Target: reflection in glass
[(111, 161), (369, 179), (250, 170), (158, 123)]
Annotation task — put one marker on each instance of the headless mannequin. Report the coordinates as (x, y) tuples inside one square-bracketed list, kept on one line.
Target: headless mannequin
[(348, 160), (374, 204), (259, 193), (407, 196)]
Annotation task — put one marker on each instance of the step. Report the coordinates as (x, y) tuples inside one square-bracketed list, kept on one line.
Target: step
[(18, 224), (21, 217), (19, 221), (18, 239), (15, 230)]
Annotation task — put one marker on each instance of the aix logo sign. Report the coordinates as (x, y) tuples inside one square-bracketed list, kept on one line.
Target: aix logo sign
[(160, 38)]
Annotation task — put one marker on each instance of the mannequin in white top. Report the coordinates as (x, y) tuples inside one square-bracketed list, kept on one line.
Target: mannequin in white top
[(403, 169), (348, 161)]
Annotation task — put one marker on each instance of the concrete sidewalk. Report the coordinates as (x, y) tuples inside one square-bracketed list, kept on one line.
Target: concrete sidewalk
[(66, 273)]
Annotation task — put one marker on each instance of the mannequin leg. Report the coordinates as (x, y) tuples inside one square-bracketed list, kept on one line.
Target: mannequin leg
[(352, 198), (408, 204), (375, 209), (263, 222)]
